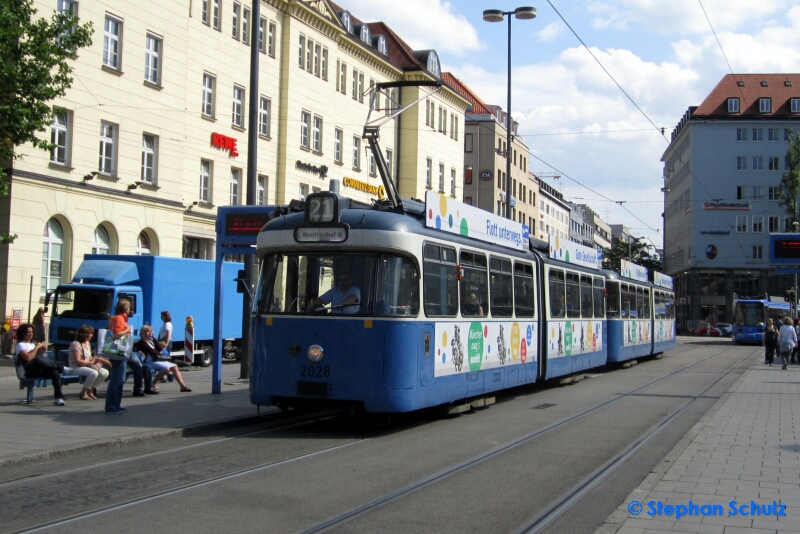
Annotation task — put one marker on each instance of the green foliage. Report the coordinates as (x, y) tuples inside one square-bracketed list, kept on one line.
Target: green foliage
[(33, 70), (636, 253), (790, 182)]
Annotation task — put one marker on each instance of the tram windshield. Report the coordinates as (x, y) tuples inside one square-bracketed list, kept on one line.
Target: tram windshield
[(348, 284), (748, 314)]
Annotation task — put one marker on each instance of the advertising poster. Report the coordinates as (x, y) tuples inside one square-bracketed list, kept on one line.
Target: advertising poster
[(467, 347)]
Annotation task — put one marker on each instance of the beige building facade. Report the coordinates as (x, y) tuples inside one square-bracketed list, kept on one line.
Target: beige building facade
[(153, 134)]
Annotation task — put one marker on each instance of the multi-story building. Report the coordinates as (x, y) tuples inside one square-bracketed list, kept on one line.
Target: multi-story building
[(485, 151), (580, 229), (722, 173), (553, 212), (153, 134), (601, 231)]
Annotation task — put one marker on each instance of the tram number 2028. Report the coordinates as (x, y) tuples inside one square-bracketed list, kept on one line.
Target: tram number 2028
[(315, 371)]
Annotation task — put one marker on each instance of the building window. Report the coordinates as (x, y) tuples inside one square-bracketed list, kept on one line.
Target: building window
[(236, 180), (309, 55), (264, 106), (303, 190), (52, 255), (741, 163), (774, 163), (238, 105), (317, 58), (59, 137), (758, 252), (365, 34), (338, 137), (101, 243), (758, 135), (383, 47), (325, 63), (741, 224), (468, 142), (389, 161), (774, 224), (209, 82), (758, 163), (205, 181), (262, 30), (758, 223), (355, 84), (361, 87), (758, 192), (205, 17), (112, 37), (371, 158), (342, 78), (733, 105), (149, 159), (305, 124), (271, 41), (215, 15), (108, 137), (773, 193), (317, 134), (237, 7), (152, 59), (741, 134), (301, 58), (261, 190), (428, 113), (795, 105), (428, 173), (765, 105), (246, 25), (356, 153), (441, 177), (452, 181), (773, 134), (143, 247)]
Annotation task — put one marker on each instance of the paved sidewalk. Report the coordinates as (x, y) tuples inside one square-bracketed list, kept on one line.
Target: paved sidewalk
[(745, 449), (37, 431)]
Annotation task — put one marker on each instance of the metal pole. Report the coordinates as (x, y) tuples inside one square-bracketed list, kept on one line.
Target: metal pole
[(252, 178), (508, 128)]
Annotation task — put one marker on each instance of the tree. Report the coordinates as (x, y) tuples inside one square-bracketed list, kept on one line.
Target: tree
[(636, 252), (790, 182), (33, 72)]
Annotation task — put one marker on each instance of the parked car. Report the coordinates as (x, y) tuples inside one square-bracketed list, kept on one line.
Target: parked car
[(715, 330), (725, 328)]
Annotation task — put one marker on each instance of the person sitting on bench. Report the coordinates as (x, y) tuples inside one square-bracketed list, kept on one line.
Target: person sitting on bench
[(31, 356), (83, 363)]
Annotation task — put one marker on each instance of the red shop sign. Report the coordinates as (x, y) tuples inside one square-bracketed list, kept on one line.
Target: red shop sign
[(224, 142)]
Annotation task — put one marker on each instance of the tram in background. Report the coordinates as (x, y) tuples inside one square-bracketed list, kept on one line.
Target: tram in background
[(750, 316)]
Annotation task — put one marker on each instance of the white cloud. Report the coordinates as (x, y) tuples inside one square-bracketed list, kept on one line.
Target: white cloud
[(550, 32), (422, 24)]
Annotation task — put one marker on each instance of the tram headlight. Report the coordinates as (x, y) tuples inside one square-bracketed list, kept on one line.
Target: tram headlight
[(315, 353)]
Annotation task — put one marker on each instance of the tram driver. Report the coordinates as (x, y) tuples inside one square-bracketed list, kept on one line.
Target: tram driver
[(344, 297)]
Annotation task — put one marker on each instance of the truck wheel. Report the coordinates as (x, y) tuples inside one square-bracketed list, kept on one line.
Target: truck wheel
[(205, 359)]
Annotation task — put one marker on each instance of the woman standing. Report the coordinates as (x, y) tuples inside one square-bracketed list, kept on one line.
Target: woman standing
[(770, 342), (39, 333), (165, 333), (787, 339), (118, 324), (83, 363)]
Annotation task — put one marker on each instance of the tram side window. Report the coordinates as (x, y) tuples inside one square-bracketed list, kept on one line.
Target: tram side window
[(587, 306), (474, 284), (646, 308), (556, 289), (599, 301), (670, 306), (398, 287), (573, 296), (612, 300), (500, 295), (639, 302), (626, 301), (523, 290), (440, 284)]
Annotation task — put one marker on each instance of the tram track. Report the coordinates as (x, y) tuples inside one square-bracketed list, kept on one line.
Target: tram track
[(557, 507)]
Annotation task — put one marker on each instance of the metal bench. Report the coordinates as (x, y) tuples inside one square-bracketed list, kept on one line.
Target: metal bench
[(30, 383)]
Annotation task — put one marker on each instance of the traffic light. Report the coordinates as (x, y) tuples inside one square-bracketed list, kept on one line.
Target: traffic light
[(789, 295)]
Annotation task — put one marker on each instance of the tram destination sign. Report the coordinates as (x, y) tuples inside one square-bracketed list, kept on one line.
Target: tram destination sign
[(449, 215)]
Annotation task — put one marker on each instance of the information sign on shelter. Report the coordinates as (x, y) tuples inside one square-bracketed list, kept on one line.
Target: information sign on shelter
[(454, 217)]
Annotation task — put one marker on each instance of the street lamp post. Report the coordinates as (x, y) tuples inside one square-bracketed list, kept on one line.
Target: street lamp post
[(497, 15)]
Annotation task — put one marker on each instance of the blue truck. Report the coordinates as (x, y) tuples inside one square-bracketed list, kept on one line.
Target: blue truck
[(151, 283)]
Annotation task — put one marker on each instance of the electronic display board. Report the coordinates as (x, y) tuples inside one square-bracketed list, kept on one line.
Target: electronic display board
[(784, 249)]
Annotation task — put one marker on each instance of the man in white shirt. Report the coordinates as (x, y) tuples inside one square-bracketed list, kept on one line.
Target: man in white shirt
[(343, 297)]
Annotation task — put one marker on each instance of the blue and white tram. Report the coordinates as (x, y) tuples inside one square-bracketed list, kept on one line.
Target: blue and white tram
[(664, 325), (440, 318), (629, 317), (751, 314)]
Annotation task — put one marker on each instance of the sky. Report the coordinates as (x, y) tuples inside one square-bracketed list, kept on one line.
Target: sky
[(578, 124)]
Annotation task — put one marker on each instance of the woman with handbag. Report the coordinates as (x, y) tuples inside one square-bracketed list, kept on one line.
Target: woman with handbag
[(83, 363), (118, 324), (787, 341), (31, 356)]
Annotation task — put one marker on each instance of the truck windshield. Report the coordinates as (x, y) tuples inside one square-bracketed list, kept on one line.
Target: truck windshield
[(748, 314), (86, 303), (354, 284)]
